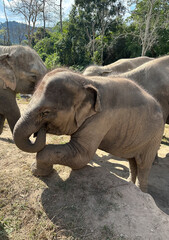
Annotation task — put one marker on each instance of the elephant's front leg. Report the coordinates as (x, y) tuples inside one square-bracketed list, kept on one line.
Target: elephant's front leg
[(76, 154), (2, 120), (71, 154), (42, 166)]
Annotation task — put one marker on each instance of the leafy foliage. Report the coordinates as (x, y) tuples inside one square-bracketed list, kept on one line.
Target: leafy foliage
[(97, 33), (150, 19)]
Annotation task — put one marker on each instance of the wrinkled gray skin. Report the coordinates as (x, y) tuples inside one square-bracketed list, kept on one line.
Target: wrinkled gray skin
[(154, 77), (20, 69), (120, 66), (115, 115)]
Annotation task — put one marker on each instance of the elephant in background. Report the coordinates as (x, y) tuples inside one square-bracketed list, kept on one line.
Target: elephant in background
[(120, 66), (154, 77), (20, 70), (113, 114)]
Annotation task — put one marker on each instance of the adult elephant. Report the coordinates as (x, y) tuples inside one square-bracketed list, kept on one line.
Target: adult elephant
[(115, 115), (120, 66), (154, 77), (20, 69)]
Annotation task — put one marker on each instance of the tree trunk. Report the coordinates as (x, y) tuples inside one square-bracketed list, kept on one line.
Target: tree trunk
[(147, 29), (8, 36), (44, 19), (61, 16)]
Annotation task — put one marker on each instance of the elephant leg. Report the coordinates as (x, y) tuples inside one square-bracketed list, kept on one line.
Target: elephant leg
[(2, 120), (43, 165), (72, 154), (56, 154), (41, 168), (144, 166), (142, 177), (75, 154), (132, 170), (13, 115)]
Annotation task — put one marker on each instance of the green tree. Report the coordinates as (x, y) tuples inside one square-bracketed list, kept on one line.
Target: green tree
[(89, 24), (50, 47), (71, 47), (162, 46), (3, 36), (96, 18), (149, 16), (39, 35)]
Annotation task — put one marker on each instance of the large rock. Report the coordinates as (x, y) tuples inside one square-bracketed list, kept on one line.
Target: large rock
[(93, 203)]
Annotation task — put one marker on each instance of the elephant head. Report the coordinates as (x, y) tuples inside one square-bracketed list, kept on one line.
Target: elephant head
[(96, 71), (60, 105), (120, 66), (20, 68)]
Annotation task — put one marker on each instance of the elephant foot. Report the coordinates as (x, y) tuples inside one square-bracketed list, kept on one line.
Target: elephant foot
[(131, 179), (142, 187), (41, 171)]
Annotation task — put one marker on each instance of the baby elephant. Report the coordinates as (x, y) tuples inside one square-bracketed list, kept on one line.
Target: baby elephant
[(115, 115)]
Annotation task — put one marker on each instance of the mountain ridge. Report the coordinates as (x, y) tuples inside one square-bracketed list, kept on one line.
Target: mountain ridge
[(17, 31)]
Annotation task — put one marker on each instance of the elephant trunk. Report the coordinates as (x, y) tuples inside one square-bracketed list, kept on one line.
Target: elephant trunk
[(24, 128)]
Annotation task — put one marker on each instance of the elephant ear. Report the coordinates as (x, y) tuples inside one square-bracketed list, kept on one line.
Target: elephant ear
[(7, 74), (89, 106)]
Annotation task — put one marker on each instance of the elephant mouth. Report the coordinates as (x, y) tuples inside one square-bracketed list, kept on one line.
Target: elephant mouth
[(50, 129), (36, 133)]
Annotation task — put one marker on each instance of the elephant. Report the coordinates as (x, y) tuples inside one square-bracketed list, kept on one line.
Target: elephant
[(114, 115), (20, 70), (120, 66), (153, 76)]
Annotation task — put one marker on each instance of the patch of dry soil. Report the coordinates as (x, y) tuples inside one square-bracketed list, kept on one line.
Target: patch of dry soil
[(95, 202)]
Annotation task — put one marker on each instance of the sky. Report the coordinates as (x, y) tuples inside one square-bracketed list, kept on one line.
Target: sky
[(67, 4)]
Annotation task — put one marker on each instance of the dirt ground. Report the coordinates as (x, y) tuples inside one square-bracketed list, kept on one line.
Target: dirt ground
[(94, 203)]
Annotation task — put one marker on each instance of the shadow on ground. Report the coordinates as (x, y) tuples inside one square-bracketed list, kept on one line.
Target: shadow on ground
[(80, 203), (158, 186), (8, 140)]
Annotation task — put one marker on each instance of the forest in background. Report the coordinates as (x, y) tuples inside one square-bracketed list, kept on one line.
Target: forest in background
[(96, 31)]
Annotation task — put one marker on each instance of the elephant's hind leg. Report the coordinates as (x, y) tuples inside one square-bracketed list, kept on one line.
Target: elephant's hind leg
[(2, 120), (132, 170), (143, 169), (143, 178)]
